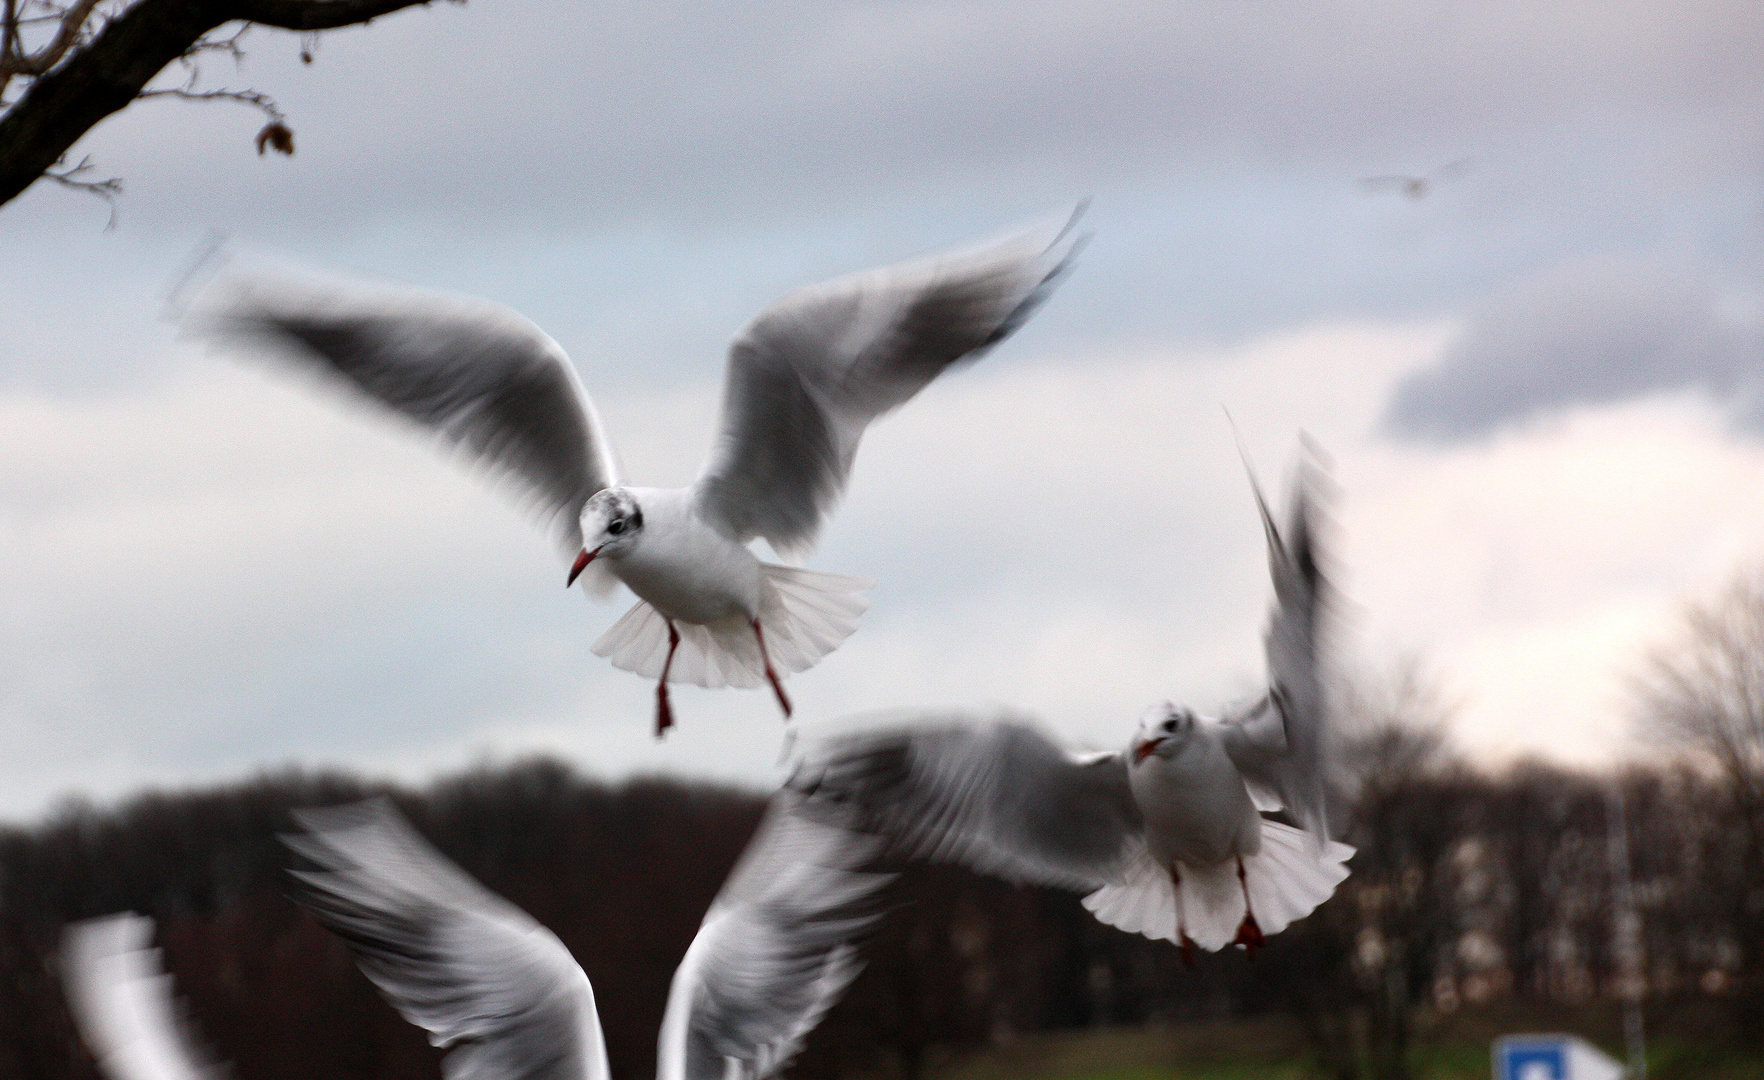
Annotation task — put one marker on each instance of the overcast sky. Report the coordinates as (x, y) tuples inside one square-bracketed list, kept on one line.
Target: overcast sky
[(1542, 383)]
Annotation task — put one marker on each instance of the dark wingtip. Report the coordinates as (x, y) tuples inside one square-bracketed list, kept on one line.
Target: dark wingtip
[(1055, 276), (1275, 546), (1313, 491)]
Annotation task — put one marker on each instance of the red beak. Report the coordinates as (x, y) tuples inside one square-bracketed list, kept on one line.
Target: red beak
[(582, 562), (1144, 749)]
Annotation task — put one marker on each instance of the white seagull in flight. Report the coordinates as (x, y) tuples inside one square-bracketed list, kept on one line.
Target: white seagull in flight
[(1168, 838), (804, 379), (776, 950)]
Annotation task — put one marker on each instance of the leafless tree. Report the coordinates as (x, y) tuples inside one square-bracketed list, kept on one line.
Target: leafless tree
[(1706, 691), (67, 64), (1406, 800)]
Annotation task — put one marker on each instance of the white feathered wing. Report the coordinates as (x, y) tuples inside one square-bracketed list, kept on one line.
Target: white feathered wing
[(776, 949), (121, 1000)]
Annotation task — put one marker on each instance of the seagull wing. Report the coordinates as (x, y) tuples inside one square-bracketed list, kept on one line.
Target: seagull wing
[(1279, 742), (121, 999), (776, 950), (479, 375), (813, 370), (474, 971), (991, 793)]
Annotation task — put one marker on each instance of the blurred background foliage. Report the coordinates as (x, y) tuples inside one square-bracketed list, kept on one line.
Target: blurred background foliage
[(1480, 902)]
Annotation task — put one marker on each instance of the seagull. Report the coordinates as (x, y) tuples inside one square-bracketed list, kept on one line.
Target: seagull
[(777, 948), (1168, 838), (1417, 187), (803, 381)]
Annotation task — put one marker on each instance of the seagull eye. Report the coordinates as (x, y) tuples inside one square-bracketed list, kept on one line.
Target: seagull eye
[(1170, 724), (617, 526)]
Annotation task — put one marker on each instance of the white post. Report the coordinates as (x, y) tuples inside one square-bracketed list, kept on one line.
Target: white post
[(1626, 934)]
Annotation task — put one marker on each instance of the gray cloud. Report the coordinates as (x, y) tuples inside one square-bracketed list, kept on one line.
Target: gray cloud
[(642, 178), (614, 113), (1588, 333)]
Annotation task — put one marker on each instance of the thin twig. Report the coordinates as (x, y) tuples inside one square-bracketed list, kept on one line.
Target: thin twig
[(228, 45), (107, 190), (256, 99)]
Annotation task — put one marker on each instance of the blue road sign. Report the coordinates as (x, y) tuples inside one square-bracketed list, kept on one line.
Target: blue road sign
[(1551, 1057)]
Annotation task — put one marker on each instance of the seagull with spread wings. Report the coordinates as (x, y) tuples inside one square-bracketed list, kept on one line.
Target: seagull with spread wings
[(804, 380), (776, 949), (1168, 838), (1417, 187)]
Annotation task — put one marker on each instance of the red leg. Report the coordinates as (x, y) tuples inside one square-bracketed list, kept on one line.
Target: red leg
[(664, 710), (1249, 935), (1184, 943), (771, 676)]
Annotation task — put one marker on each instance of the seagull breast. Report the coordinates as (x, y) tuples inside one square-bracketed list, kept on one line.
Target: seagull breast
[(686, 569), (1196, 807)]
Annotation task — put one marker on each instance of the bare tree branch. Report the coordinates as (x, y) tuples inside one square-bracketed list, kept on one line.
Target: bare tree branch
[(73, 23), (1707, 691), (307, 15), (253, 98), (107, 190), (275, 134), (103, 54)]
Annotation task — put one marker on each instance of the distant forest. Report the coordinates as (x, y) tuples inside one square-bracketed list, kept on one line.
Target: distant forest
[(1468, 887)]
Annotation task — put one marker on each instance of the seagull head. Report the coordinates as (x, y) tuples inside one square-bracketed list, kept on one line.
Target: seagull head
[(1163, 729), (611, 523)]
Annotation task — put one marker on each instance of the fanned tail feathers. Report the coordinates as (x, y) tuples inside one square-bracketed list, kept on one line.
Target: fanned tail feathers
[(805, 614), (1287, 879)]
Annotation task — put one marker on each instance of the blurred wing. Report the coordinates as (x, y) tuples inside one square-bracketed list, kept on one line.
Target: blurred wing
[(813, 370), (1279, 742), (121, 999), (1451, 170), (474, 971), (776, 950), (477, 374), (992, 794)]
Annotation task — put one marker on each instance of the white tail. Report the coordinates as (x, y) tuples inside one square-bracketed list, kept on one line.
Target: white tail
[(1287, 879), (805, 615)]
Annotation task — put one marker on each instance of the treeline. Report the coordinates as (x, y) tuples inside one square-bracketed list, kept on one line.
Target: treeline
[(1467, 888)]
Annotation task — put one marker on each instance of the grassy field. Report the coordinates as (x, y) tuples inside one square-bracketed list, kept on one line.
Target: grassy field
[(1455, 1047)]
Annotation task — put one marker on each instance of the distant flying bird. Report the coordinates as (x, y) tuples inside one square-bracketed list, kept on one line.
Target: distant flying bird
[(776, 950), (804, 380), (1417, 187), (1167, 837)]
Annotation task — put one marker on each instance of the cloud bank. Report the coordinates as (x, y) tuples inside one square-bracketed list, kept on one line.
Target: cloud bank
[(1589, 333)]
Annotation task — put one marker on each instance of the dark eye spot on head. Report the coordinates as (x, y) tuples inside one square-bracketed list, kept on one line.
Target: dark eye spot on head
[(1170, 724), (617, 526)]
